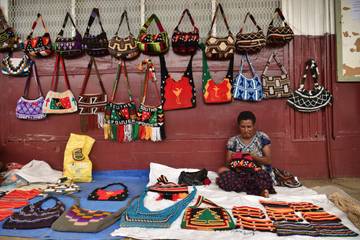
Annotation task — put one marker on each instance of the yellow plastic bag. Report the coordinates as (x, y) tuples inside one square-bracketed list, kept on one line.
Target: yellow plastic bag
[(77, 165)]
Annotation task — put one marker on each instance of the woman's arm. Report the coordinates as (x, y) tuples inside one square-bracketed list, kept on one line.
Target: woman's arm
[(266, 159)]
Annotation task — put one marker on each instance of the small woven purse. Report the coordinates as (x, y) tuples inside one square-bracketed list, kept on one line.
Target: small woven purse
[(185, 43), (69, 47), (92, 105), (95, 45), (313, 100), (39, 46), (251, 42), (59, 102), (31, 109), (220, 48), (153, 44), (102, 194), (124, 48), (16, 67), (279, 36), (247, 89), (277, 86)]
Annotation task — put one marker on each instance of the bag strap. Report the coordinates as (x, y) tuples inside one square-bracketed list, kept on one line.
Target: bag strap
[(164, 70), (252, 19), (120, 66), (191, 20), (149, 75), (87, 76), (148, 22), (61, 33), (274, 56), (94, 13), (278, 12), (55, 77), (41, 202), (249, 63), (39, 17), (3, 22), (312, 66), (201, 199), (219, 6), (27, 84), (113, 184), (123, 16)]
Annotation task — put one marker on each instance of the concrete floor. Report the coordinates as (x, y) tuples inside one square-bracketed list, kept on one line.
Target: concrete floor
[(350, 185)]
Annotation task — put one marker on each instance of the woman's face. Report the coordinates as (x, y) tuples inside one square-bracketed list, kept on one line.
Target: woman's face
[(247, 129)]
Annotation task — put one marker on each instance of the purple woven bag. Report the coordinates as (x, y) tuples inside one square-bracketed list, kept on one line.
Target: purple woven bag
[(31, 109)]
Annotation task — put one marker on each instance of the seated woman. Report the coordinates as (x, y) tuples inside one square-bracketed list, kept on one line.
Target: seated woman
[(256, 145)]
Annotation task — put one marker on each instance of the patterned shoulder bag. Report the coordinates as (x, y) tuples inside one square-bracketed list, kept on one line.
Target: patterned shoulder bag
[(102, 194), (120, 117), (313, 100), (59, 102), (151, 119), (185, 43), (39, 46), (208, 218), (251, 42), (220, 48), (275, 86), (9, 40), (279, 36), (216, 92), (16, 67), (247, 89), (153, 44), (177, 94), (92, 105), (124, 48), (31, 109), (95, 45), (69, 47)]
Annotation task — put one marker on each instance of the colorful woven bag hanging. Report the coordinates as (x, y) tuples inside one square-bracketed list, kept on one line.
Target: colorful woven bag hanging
[(150, 118), (216, 92), (9, 40), (185, 43), (31, 109), (247, 89), (16, 67), (137, 215), (120, 117), (220, 48), (177, 94), (92, 105), (279, 36), (213, 217), (153, 44), (59, 102), (39, 46), (277, 86), (124, 48)]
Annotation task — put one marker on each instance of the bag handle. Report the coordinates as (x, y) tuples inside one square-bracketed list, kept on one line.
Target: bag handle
[(149, 75), (39, 17), (219, 6), (148, 22), (191, 20), (201, 199), (249, 63), (120, 66), (3, 22), (41, 202), (274, 56), (61, 33), (164, 70), (312, 66), (27, 84), (113, 184), (253, 20), (87, 76), (94, 13), (278, 12), (123, 16), (55, 77)]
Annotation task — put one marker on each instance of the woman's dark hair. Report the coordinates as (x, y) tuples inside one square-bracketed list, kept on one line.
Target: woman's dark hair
[(246, 115)]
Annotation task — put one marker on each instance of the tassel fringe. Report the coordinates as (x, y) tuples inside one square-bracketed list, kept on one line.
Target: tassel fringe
[(133, 132)]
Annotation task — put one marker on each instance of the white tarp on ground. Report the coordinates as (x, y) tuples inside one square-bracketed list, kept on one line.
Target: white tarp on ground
[(226, 200)]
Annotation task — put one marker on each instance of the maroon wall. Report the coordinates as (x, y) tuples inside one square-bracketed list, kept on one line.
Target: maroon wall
[(316, 145)]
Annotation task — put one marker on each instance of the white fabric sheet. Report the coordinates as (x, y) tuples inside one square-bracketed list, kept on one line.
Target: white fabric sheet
[(226, 200)]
